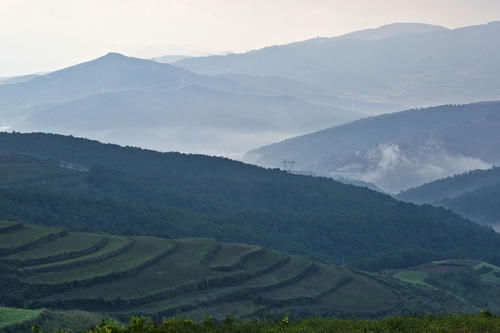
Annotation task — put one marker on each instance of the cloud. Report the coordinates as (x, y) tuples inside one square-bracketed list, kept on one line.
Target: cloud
[(395, 167)]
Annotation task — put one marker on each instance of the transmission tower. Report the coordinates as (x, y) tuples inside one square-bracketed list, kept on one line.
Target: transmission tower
[(288, 165)]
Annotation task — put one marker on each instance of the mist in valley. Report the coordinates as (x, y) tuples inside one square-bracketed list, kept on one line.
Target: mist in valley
[(245, 165)]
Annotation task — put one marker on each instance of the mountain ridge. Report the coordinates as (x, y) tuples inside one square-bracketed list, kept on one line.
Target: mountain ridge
[(405, 69), (106, 97), (399, 150)]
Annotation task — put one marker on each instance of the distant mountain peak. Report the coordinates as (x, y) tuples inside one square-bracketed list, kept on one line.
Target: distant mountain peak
[(390, 30), (114, 55)]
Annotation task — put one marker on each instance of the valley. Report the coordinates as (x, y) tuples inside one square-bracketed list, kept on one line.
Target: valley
[(249, 166)]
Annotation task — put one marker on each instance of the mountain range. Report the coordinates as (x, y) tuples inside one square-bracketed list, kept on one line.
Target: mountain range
[(229, 104), (408, 64), (397, 151), (120, 99)]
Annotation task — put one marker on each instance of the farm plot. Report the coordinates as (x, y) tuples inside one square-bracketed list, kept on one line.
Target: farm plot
[(7, 226), (237, 290), (70, 245), (11, 316), (25, 237), (232, 256), (322, 281), (361, 294), (115, 246), (182, 267), (143, 251)]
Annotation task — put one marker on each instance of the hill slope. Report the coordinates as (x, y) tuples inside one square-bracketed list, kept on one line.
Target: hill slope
[(113, 96), (466, 280), (107, 187), (421, 68), (192, 119), (397, 151), (481, 205), (451, 187), (193, 277), (16, 320), (474, 195)]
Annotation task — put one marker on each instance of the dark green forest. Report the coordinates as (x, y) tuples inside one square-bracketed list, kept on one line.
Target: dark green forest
[(136, 191), (482, 205), (474, 195), (453, 186)]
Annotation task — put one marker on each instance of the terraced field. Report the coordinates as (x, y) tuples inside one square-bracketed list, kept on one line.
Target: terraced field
[(11, 317), (74, 245), (193, 277), (469, 281), (14, 320), (26, 238)]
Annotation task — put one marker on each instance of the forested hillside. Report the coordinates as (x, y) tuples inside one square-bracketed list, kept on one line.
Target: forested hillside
[(451, 186), (482, 205), (475, 195), (86, 185)]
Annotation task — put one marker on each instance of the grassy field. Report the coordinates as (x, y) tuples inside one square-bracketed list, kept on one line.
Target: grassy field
[(195, 277), (490, 277), (115, 244), (324, 280), (71, 243), (363, 295), (143, 250), (6, 225), (413, 277), (243, 291), (11, 316), (231, 255), (11, 241), (13, 320), (469, 281)]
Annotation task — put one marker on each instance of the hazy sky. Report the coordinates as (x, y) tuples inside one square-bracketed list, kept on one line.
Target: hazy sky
[(42, 35)]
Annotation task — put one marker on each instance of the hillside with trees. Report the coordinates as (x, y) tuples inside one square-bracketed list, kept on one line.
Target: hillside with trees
[(85, 185), (474, 195)]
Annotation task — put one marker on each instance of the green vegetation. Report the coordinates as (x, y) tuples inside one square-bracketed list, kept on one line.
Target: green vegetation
[(134, 191), (6, 226), (27, 237), (115, 246), (231, 256), (143, 251), (11, 316), (414, 277), (451, 187), (483, 322), (195, 277), (65, 247), (490, 273), (469, 281), (474, 195), (482, 205), (13, 320)]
